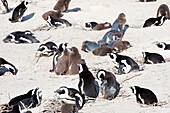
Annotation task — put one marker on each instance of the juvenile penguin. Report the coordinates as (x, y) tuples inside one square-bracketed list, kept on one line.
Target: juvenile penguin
[(122, 20), (62, 5), (31, 99), (163, 45), (87, 81), (143, 95), (96, 26), (109, 87), (47, 49), (19, 12), (53, 14), (102, 51), (5, 3), (128, 63), (155, 21), (89, 46), (71, 99), (154, 58), (57, 21), (19, 37), (9, 66), (163, 10), (74, 59)]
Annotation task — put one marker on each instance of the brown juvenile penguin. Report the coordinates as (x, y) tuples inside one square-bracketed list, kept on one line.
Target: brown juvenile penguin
[(102, 26), (62, 5), (122, 20), (102, 51), (53, 14), (74, 59), (5, 3), (163, 10)]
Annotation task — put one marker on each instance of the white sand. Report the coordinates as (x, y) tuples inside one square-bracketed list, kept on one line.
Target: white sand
[(31, 75)]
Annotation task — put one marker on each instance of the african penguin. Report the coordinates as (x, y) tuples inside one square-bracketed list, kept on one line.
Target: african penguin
[(54, 14), (71, 99), (19, 12), (163, 10), (89, 46), (47, 49), (154, 58), (31, 99), (9, 66), (57, 22), (102, 51), (143, 95), (147, 0), (128, 63), (155, 21), (74, 60), (96, 26), (87, 83), (5, 3), (109, 87), (19, 37), (163, 45), (62, 5)]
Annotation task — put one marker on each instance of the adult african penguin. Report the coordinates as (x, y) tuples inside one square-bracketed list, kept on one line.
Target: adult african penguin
[(123, 63), (71, 99), (87, 84), (19, 37), (154, 58), (109, 87), (19, 12), (155, 21), (143, 95), (47, 49), (9, 66), (163, 45)]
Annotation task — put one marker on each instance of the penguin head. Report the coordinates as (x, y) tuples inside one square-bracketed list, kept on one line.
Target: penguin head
[(134, 89), (10, 39), (43, 50), (144, 54), (113, 56), (82, 68), (101, 74), (25, 3), (127, 44), (162, 19), (37, 96), (49, 20), (161, 45), (107, 24), (11, 68)]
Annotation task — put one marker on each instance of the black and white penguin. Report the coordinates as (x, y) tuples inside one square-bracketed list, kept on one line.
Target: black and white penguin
[(155, 21), (109, 87), (9, 66), (163, 45), (72, 100), (29, 100), (47, 49), (87, 84), (57, 22), (152, 58), (5, 3), (96, 26), (21, 37), (143, 95), (123, 63), (19, 12)]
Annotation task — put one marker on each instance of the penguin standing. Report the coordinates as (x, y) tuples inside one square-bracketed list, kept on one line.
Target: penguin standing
[(154, 58), (123, 63), (74, 60), (143, 95), (163, 45), (109, 87), (19, 12), (87, 83), (9, 66), (72, 100)]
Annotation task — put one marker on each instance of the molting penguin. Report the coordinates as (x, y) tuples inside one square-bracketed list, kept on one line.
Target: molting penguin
[(47, 49), (21, 37), (62, 5), (89, 46), (163, 45), (9, 66), (154, 58), (163, 10), (74, 59), (19, 12), (5, 3), (31, 99), (144, 96), (87, 83), (53, 14), (123, 63), (155, 21), (72, 100), (57, 21), (96, 26), (109, 87)]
